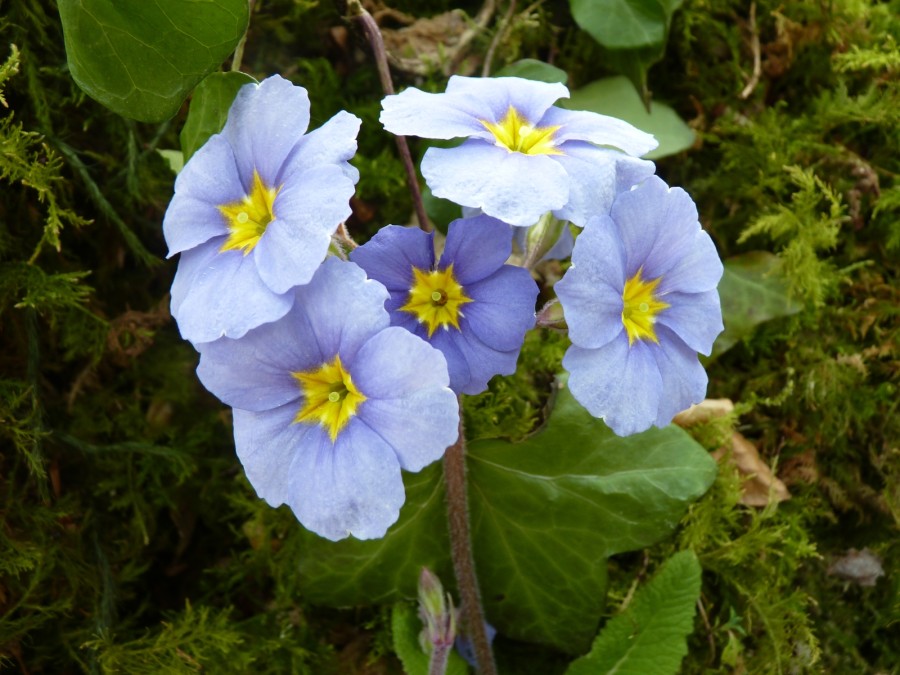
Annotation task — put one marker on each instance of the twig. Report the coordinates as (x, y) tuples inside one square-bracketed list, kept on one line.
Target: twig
[(356, 11), (485, 14), (499, 36), (757, 61)]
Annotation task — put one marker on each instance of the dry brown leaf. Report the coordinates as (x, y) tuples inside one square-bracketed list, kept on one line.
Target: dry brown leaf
[(761, 485), (709, 409)]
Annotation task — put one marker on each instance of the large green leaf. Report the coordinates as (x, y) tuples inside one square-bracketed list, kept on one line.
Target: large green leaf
[(751, 292), (546, 514), (633, 33), (649, 637), (209, 108), (141, 58), (616, 97)]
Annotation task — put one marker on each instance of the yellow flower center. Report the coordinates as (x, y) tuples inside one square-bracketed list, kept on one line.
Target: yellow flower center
[(248, 218), (331, 399), (640, 308), (515, 134), (435, 298)]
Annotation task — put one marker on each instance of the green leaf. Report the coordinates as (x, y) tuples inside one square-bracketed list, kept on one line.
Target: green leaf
[(649, 637), (616, 97), (751, 292), (209, 109), (405, 627), (633, 33), (548, 511), (441, 212), (532, 69), (141, 59)]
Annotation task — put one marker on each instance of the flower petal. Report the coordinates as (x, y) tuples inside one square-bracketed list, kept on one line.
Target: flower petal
[(394, 363), (683, 378), (390, 255), (617, 383), (477, 247), (209, 180), (581, 125), (307, 211), (516, 188), (413, 112), (254, 372), (457, 367), (219, 293), (264, 124), (334, 143), (696, 318), (495, 95), (502, 309), (419, 426), (591, 289), (353, 487), (266, 443), (483, 362), (344, 308)]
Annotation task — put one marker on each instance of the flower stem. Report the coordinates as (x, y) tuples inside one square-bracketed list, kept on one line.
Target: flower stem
[(438, 663), (373, 34), (461, 552)]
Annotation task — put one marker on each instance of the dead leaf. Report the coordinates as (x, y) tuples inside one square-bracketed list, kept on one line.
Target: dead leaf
[(761, 485), (705, 411)]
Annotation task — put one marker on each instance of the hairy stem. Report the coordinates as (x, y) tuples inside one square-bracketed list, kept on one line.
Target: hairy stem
[(439, 656), (461, 552), (373, 34)]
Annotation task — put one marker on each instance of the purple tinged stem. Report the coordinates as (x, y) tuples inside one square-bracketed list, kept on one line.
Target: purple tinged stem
[(373, 34), (461, 552)]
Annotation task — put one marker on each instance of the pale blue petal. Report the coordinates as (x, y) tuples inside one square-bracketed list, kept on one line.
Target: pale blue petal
[(254, 372), (695, 317), (344, 308), (209, 180), (698, 268), (580, 125), (416, 113), (617, 383), (495, 95), (457, 366), (219, 293), (334, 143), (394, 363), (503, 308), (419, 426), (390, 256), (307, 212), (477, 247), (591, 290), (350, 488), (592, 181), (630, 171), (264, 124), (266, 443), (483, 361), (683, 378), (516, 188)]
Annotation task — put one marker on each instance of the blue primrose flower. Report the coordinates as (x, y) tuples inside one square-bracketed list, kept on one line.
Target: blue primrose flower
[(640, 301), (330, 403), (469, 305), (254, 210), (522, 156)]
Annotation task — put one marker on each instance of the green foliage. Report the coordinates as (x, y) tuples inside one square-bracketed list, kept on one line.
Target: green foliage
[(805, 228), (143, 59), (649, 636)]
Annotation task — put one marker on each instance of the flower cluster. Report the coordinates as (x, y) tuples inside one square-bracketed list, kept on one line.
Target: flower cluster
[(342, 373)]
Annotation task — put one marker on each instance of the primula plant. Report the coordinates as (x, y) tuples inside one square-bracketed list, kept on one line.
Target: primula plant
[(417, 380), (342, 373)]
